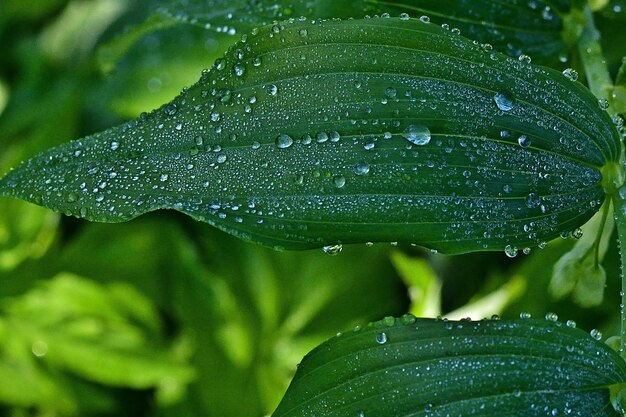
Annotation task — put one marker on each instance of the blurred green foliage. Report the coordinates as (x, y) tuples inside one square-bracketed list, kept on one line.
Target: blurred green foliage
[(163, 316)]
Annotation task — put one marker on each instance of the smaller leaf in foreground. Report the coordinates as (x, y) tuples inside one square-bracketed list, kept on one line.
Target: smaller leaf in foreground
[(427, 367)]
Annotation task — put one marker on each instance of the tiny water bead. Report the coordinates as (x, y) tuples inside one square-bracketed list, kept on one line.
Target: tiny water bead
[(239, 70), (381, 338), (417, 134), (503, 101), (596, 334), (570, 74), (361, 168), (284, 141), (332, 249), (510, 251), (552, 317), (523, 141), (339, 181)]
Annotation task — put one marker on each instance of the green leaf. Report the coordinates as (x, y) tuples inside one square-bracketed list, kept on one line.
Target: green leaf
[(424, 286), (71, 326), (579, 271), (312, 134), (542, 30), (545, 30), (423, 367)]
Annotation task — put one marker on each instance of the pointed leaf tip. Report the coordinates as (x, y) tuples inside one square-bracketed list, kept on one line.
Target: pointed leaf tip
[(409, 367), (453, 147)]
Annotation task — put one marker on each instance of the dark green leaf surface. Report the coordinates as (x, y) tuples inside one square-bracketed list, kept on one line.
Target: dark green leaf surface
[(539, 29), (310, 134), (424, 367), (544, 30)]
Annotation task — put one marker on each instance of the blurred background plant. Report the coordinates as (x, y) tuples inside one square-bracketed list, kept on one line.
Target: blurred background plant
[(165, 316)]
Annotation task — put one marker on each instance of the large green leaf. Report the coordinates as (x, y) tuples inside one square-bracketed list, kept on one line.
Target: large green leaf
[(543, 29), (423, 367), (311, 134)]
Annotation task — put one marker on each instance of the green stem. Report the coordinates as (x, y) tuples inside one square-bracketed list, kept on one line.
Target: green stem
[(619, 205), (600, 84), (590, 52)]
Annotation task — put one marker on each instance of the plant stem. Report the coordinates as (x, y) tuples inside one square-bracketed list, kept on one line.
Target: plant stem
[(600, 84), (590, 52), (619, 205)]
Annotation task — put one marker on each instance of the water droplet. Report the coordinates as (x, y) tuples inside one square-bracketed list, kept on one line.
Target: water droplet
[(115, 145), (39, 348), (425, 19), (577, 233), (570, 74), (256, 145), (170, 109), (163, 177), (361, 168), (407, 319), (239, 70), (332, 249), (284, 141), (603, 104), (524, 315), (523, 141), (404, 16), (417, 134), (303, 33), (551, 317), (221, 158), (272, 89), (570, 323), (339, 181), (334, 136), (381, 338), (72, 197), (322, 137), (220, 64), (503, 101), (524, 58), (510, 251), (532, 200), (596, 334)]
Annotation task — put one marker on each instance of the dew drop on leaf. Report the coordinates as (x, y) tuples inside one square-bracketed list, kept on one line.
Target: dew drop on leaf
[(503, 101), (551, 316), (339, 181), (332, 249), (381, 338), (510, 251), (417, 134), (361, 168), (284, 141), (523, 141), (570, 74)]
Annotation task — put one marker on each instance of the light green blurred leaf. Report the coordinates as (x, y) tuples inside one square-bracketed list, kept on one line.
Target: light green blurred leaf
[(234, 149), (408, 367), (579, 271), (423, 284), (71, 326)]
